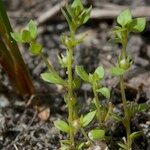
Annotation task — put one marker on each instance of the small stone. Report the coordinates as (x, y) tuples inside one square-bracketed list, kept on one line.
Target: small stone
[(3, 101), (99, 146)]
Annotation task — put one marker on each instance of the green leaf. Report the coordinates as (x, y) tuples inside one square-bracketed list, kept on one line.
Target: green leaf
[(142, 107), (63, 60), (66, 16), (105, 92), (82, 73), (35, 48), (76, 82), (32, 29), (81, 119), (17, 36), (135, 135), (80, 146), (69, 11), (124, 18), (96, 134), (100, 72), (76, 4), (67, 142), (136, 108), (116, 117), (80, 37), (88, 14), (123, 146), (93, 77), (88, 118), (118, 33), (138, 25), (117, 71), (86, 17), (52, 77), (26, 36), (62, 126)]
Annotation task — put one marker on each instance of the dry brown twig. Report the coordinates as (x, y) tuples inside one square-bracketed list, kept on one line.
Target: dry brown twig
[(107, 13), (50, 13)]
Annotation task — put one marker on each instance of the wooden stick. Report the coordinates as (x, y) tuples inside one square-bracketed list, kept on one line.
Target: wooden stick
[(50, 13), (113, 13)]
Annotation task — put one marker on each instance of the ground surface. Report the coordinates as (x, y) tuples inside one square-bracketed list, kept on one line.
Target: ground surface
[(20, 128)]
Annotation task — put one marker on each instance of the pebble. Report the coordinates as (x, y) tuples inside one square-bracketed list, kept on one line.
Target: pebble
[(99, 146), (3, 101), (146, 129)]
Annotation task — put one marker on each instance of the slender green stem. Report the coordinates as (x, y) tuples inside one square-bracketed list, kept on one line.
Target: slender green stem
[(97, 103), (70, 95), (127, 118), (122, 87), (109, 112), (124, 45), (69, 42), (85, 135), (47, 63)]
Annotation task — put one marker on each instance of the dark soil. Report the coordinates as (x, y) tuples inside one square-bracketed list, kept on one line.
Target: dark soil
[(20, 127)]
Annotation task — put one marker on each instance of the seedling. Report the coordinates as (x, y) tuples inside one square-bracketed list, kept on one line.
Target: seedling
[(76, 15), (94, 79), (102, 113), (125, 25)]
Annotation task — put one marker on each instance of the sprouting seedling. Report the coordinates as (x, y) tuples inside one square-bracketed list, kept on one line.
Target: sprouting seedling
[(102, 114), (126, 24), (76, 15), (79, 124), (28, 35)]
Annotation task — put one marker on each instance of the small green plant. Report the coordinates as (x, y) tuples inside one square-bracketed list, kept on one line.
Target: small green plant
[(94, 79), (126, 24), (102, 112), (76, 15)]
